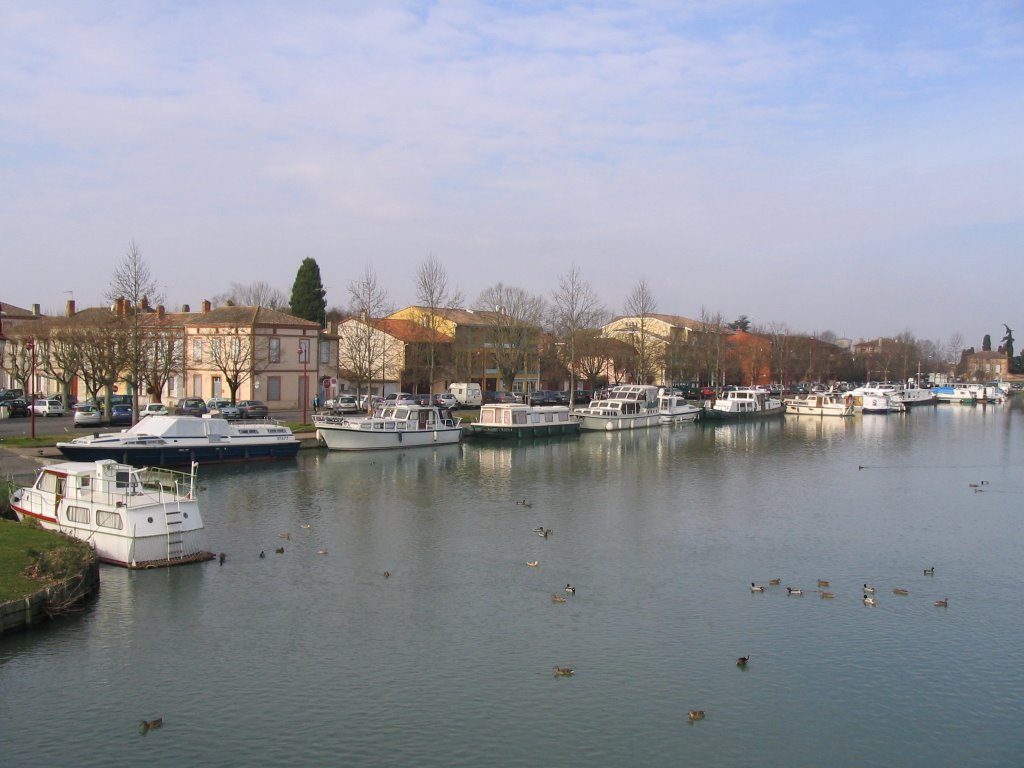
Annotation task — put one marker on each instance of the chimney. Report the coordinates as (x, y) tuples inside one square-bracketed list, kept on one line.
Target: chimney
[(185, 308), (127, 306), (160, 311), (35, 310), (119, 307), (71, 308), (206, 306), (144, 303)]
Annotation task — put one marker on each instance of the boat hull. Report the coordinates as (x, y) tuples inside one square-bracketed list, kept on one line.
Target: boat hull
[(713, 414), (354, 439), (522, 431), (182, 455), (598, 423)]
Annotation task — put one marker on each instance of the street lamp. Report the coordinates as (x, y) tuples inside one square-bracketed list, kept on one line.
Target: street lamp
[(304, 354)]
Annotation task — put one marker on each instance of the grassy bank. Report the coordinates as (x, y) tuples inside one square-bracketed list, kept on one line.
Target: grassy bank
[(30, 558)]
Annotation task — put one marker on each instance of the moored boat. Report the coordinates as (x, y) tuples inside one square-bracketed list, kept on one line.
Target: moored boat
[(136, 518), (743, 403), (167, 441), (961, 394), (872, 399), (674, 408), (517, 420), (393, 426), (820, 404), (627, 406)]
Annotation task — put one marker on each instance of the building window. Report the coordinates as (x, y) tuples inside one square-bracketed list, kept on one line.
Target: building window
[(236, 348), (273, 388), (275, 350), (303, 350), (325, 351), (197, 385), (215, 347), (197, 350)]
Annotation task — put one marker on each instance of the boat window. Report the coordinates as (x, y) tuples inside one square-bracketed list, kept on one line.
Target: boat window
[(519, 417), (48, 482), (78, 515), (121, 480), (84, 482), (106, 519), (60, 486)]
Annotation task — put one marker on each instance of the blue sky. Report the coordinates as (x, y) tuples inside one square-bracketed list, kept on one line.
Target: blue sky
[(850, 167)]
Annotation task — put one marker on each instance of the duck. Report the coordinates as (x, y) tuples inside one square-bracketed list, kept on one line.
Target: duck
[(869, 590), (280, 550), (900, 591), (570, 589), (742, 661), (564, 671), (304, 525), (774, 582), (221, 558), (929, 571), (387, 574), (756, 587), (943, 603), (287, 536), (794, 591), (524, 503), (533, 563), (263, 553), (145, 726), (557, 599), (870, 600), (539, 530), (695, 715), (322, 551), (827, 595), (823, 583)]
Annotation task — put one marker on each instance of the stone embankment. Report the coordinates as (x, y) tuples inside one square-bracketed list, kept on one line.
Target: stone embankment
[(50, 601)]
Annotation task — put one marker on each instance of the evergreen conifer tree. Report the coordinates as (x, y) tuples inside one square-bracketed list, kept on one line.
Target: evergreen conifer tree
[(308, 294)]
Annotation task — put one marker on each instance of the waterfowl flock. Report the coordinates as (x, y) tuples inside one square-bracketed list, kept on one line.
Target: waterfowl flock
[(866, 590)]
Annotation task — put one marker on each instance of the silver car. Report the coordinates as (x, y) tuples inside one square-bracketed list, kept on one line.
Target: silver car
[(88, 416)]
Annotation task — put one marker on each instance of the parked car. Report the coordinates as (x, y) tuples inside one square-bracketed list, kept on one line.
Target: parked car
[(252, 409), (343, 404), (446, 400), (545, 397), (502, 397), (12, 394), (222, 408), (370, 402), (191, 406), (50, 407), (400, 398), (87, 415), (15, 406), (154, 409), (120, 415)]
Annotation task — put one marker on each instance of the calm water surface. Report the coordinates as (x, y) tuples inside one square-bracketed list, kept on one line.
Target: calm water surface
[(307, 659)]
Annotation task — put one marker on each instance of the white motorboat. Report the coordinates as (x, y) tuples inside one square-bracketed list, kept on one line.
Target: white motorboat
[(872, 399), (676, 409), (517, 420), (392, 426), (164, 441), (962, 394), (820, 404), (136, 518), (743, 403), (627, 406)]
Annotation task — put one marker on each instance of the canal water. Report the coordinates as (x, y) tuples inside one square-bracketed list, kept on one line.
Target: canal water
[(302, 658)]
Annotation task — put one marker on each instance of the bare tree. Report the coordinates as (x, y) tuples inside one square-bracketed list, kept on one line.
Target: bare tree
[(60, 355), (255, 294), (433, 293), (594, 357), (234, 352), (575, 309), (711, 346), (513, 319), (133, 282), (954, 347), (104, 354), (19, 358), (363, 348), (640, 305), (165, 356)]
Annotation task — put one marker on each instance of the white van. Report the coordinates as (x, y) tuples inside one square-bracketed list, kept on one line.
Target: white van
[(467, 393)]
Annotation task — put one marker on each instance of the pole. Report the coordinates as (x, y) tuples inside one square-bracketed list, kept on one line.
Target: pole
[(31, 347), (305, 377)]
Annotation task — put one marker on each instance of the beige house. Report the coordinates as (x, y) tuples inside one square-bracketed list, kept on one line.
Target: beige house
[(651, 336), (261, 353)]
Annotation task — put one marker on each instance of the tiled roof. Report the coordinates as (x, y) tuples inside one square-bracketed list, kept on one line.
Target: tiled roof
[(14, 312), (249, 317), (408, 330)]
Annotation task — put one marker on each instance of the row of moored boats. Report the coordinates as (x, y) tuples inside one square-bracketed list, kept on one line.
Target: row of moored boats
[(133, 515)]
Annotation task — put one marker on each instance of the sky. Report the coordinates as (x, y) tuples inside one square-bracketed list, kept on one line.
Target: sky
[(852, 167)]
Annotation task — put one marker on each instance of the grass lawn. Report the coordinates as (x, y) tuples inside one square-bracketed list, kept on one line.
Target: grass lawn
[(19, 545)]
